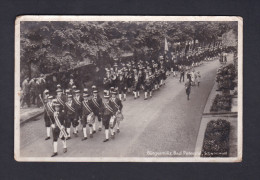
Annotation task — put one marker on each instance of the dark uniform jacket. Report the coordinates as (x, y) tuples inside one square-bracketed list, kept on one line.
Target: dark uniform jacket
[(97, 103), (61, 118), (87, 108), (70, 110), (117, 104), (48, 113), (108, 109), (62, 101), (78, 105)]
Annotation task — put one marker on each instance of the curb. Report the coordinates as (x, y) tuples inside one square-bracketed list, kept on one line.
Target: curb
[(31, 118)]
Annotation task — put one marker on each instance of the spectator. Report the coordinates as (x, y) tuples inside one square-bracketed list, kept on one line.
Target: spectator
[(26, 93), (33, 89)]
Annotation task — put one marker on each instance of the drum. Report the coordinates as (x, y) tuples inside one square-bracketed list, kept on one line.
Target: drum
[(91, 119), (112, 122)]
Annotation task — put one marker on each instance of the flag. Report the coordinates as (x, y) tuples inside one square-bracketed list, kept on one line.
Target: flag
[(166, 45)]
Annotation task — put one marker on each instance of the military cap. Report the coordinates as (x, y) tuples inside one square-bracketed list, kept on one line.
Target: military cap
[(69, 96), (85, 95), (56, 104), (95, 91), (106, 95), (50, 97), (77, 91), (58, 90), (114, 92)]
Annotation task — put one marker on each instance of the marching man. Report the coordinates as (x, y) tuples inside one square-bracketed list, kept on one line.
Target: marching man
[(148, 85), (70, 110), (188, 88), (48, 116), (97, 102), (88, 116), (78, 106), (58, 129), (60, 98), (122, 86), (118, 108), (108, 112)]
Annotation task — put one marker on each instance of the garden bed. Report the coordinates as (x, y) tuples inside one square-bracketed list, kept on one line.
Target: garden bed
[(216, 139), (221, 103), (225, 78)]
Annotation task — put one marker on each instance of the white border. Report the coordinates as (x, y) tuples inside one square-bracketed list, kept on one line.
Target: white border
[(126, 18)]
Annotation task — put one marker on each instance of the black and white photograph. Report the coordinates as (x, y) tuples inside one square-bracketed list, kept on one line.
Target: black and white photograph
[(128, 88)]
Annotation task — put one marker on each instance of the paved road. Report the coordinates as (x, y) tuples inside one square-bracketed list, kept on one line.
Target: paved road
[(167, 122)]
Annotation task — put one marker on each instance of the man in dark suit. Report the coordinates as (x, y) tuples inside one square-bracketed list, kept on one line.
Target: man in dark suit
[(188, 88), (71, 115), (58, 129)]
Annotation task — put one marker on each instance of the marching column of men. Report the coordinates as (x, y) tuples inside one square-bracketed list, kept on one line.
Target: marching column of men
[(68, 110), (71, 107)]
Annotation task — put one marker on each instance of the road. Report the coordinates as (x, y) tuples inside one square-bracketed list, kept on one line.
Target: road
[(167, 122)]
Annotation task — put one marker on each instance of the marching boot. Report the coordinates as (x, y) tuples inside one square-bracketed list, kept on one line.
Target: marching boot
[(112, 133), (77, 128), (68, 131), (84, 134), (138, 94), (48, 133), (120, 97), (94, 127), (75, 132), (106, 134), (100, 126), (117, 127), (90, 132), (54, 154), (64, 146), (124, 97), (55, 149), (151, 94), (135, 95), (145, 95)]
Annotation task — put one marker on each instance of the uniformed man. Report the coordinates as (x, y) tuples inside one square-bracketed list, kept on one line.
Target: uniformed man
[(61, 99), (118, 108), (122, 87), (78, 105), (59, 130), (148, 85), (71, 114), (48, 116), (182, 72), (106, 84), (88, 116), (188, 88), (97, 102), (108, 112), (71, 84)]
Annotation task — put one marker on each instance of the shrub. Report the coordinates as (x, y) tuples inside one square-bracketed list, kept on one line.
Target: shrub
[(221, 103), (216, 139)]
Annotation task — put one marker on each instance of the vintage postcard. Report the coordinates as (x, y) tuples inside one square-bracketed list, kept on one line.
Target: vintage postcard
[(128, 88)]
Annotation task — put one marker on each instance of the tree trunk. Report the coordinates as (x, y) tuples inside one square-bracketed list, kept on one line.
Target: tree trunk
[(29, 69)]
